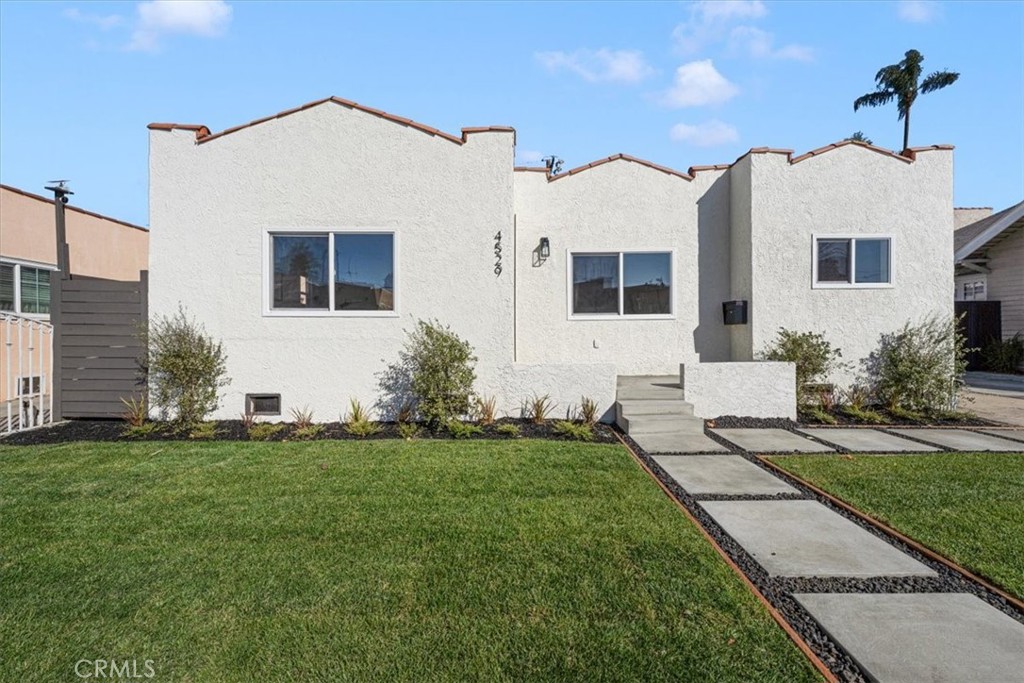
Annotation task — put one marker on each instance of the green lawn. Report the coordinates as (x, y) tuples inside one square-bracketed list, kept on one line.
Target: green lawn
[(382, 561), (966, 506)]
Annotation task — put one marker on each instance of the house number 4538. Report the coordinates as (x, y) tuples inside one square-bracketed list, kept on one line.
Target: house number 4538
[(497, 254)]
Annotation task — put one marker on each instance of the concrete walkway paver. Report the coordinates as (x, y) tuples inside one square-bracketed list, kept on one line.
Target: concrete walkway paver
[(678, 443), (923, 637), (867, 440), (961, 439), (724, 474), (805, 538), (1011, 434), (771, 441)]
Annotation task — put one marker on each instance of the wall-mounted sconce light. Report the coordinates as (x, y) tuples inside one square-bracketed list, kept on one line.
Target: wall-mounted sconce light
[(545, 248)]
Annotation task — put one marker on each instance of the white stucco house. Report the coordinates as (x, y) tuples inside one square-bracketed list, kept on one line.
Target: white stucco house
[(311, 240)]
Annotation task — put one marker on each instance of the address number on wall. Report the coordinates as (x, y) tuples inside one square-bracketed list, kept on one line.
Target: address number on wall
[(497, 254)]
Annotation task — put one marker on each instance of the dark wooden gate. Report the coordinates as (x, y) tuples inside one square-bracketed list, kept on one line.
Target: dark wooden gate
[(980, 323), (96, 345)]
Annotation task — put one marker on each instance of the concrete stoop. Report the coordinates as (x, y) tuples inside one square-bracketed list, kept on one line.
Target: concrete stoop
[(651, 409)]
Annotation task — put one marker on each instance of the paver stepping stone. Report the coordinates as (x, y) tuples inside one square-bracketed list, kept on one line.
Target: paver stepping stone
[(1013, 434), (922, 637), (867, 440), (805, 538), (771, 441), (962, 440), (678, 443), (726, 474)]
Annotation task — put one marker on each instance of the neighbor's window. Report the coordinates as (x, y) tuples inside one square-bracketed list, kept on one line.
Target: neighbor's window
[(622, 284), (24, 289), (848, 261), (336, 271)]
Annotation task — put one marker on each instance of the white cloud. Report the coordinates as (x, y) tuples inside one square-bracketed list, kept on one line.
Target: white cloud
[(528, 156), (918, 11), (597, 66), (699, 83), (709, 22), (717, 10), (103, 22), (158, 18), (708, 134), (760, 44)]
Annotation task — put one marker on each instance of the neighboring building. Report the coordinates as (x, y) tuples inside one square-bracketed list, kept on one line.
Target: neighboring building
[(965, 215), (560, 282), (989, 257), (98, 246)]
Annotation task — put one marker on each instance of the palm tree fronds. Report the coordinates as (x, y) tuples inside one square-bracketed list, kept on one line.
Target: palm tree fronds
[(939, 80), (874, 99)]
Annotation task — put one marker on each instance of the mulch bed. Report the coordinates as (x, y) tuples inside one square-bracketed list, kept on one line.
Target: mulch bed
[(844, 420), (234, 430)]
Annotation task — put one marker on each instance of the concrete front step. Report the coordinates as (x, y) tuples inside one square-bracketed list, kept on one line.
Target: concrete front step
[(653, 407), (661, 424), (648, 387)]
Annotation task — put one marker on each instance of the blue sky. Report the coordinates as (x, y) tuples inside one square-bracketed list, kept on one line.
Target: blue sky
[(679, 84)]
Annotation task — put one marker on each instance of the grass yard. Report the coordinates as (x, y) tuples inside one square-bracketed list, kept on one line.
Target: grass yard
[(366, 561), (966, 506)]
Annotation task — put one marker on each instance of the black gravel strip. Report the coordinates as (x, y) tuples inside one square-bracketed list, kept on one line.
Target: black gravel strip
[(734, 422), (778, 591), (750, 496)]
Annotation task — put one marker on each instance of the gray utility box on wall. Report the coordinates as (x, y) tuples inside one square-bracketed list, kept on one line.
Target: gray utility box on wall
[(734, 312)]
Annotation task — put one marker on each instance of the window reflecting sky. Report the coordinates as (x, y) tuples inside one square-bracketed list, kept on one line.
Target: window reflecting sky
[(366, 259), (647, 269)]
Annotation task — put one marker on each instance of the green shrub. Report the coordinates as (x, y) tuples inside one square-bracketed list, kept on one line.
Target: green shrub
[(537, 408), (486, 408), (908, 415), (814, 357), (264, 431), (186, 368), (135, 412), (142, 431), (574, 430), (863, 415), (358, 422), (308, 432), (463, 430), (302, 419), (588, 410), (920, 367), (509, 429), (441, 372), (1003, 355), (819, 415), (408, 430), (204, 431)]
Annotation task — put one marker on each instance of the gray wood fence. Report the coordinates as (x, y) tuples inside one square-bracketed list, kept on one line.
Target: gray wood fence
[(96, 345)]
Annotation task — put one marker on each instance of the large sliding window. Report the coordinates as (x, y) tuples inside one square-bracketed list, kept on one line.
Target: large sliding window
[(332, 273), (24, 289), (863, 261), (621, 284)]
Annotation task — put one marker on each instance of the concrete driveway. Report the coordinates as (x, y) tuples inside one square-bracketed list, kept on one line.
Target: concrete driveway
[(995, 397)]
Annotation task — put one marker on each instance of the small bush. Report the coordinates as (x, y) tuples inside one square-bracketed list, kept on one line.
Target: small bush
[(463, 430), (574, 430), (248, 420), (142, 431), (819, 415), (440, 367), (1001, 355), (538, 408), (302, 419), (863, 415), (827, 398), (135, 413), (358, 422), (408, 430), (406, 412), (814, 357), (308, 432), (920, 367), (486, 407), (186, 368), (509, 429), (588, 410), (908, 415), (204, 431), (264, 431), (857, 396)]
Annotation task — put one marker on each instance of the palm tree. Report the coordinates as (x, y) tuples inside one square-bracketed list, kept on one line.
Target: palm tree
[(860, 137), (901, 82)]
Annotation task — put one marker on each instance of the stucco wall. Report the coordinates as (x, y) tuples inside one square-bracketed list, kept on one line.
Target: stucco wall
[(849, 191), (967, 215), (622, 205), (1006, 281), (331, 167), (744, 389), (740, 274), (98, 247)]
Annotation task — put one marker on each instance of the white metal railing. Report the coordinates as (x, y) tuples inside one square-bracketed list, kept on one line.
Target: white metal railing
[(26, 366)]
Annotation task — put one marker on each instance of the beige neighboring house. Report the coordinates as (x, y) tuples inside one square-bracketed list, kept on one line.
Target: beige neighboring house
[(99, 246), (989, 256)]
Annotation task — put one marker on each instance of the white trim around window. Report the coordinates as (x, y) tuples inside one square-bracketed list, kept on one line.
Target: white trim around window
[(852, 264), (18, 264), (620, 315), (267, 284)]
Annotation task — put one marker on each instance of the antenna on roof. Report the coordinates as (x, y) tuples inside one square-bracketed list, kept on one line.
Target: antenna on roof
[(553, 163)]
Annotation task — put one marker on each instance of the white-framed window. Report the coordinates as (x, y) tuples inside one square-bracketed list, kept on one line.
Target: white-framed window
[(621, 284), (330, 272), (25, 287), (971, 288), (852, 261)]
